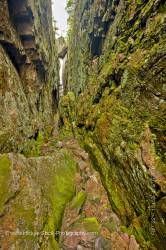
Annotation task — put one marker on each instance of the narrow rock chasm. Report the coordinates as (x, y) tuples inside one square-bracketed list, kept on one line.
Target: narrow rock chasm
[(82, 126)]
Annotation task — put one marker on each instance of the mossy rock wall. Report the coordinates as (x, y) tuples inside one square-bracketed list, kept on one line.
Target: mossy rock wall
[(117, 74)]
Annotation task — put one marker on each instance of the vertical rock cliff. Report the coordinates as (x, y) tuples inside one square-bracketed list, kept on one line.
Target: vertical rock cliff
[(28, 71), (116, 69), (28, 102), (85, 170)]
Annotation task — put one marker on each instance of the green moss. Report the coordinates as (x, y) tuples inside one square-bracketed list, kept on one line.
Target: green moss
[(5, 172), (62, 188), (118, 203), (141, 232), (47, 133), (4, 137), (116, 193), (90, 224), (65, 134), (67, 110), (59, 192), (158, 128), (53, 244), (78, 200), (111, 226), (33, 147), (120, 100), (27, 218)]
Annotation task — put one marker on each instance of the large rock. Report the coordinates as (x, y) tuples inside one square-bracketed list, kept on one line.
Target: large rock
[(62, 47), (33, 195)]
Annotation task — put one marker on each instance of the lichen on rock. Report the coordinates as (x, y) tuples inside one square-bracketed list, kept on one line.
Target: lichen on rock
[(117, 74), (85, 170), (28, 71), (35, 192)]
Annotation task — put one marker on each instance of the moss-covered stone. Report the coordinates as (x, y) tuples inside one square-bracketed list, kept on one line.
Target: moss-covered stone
[(34, 194), (62, 189), (78, 200), (87, 224), (5, 173)]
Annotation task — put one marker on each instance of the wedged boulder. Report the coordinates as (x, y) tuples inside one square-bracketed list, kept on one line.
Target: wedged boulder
[(61, 46)]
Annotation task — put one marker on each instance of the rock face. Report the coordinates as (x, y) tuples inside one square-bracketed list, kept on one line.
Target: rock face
[(110, 192), (34, 190), (28, 71), (116, 72)]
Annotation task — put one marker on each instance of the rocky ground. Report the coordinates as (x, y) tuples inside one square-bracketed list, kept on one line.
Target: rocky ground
[(88, 218)]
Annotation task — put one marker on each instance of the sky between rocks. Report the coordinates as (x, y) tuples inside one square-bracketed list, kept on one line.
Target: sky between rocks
[(60, 15)]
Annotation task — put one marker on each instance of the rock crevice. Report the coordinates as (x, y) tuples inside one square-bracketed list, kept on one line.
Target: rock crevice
[(82, 158)]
